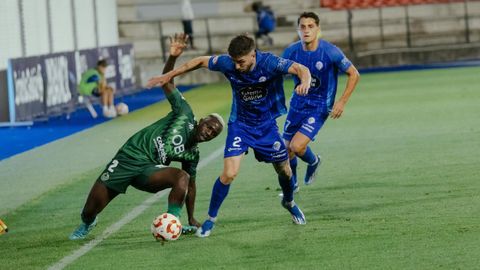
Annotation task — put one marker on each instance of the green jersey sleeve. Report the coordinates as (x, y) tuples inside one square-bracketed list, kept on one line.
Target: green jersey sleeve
[(178, 102)]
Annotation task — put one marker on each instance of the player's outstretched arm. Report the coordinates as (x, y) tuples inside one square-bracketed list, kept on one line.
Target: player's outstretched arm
[(353, 77), (193, 64), (303, 74), (178, 43)]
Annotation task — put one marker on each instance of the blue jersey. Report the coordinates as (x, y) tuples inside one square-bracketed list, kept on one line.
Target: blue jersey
[(324, 64), (258, 95)]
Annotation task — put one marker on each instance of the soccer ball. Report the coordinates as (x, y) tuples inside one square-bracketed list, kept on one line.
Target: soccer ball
[(121, 108), (166, 227)]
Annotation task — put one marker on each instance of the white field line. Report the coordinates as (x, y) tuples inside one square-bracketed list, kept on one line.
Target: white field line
[(65, 261)]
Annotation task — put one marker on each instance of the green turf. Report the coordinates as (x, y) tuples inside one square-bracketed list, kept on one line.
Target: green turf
[(398, 189)]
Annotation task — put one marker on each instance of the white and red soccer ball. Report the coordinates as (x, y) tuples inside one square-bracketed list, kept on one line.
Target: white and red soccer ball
[(166, 227)]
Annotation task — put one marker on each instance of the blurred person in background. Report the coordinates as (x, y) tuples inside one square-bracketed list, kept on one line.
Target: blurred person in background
[(187, 18), (266, 22), (93, 83), (308, 113)]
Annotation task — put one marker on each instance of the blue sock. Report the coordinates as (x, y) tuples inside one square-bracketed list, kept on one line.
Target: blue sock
[(219, 193), (287, 187), (309, 157), (293, 165)]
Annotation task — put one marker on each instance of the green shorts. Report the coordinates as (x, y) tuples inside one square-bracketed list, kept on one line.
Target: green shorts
[(122, 172)]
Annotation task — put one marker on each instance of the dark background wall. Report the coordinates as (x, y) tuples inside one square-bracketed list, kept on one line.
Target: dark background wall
[(3, 96)]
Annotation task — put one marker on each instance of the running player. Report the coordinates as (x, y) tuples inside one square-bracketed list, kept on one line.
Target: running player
[(258, 99), (308, 113), (142, 161)]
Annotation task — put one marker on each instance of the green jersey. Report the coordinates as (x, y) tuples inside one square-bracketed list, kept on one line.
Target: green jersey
[(89, 81), (171, 138)]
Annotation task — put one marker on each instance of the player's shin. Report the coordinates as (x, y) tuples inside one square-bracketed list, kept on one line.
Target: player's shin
[(219, 193), (286, 184), (293, 166), (309, 157)]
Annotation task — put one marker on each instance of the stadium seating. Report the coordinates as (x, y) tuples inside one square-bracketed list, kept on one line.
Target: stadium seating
[(356, 4)]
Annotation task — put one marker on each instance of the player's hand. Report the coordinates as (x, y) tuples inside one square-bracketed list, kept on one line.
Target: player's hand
[(178, 43), (302, 89), (160, 80), (337, 109), (194, 222)]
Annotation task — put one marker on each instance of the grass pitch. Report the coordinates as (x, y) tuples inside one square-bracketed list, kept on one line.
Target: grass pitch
[(398, 189)]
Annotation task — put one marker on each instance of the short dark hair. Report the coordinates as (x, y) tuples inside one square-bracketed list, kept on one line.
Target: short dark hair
[(307, 14), (102, 63), (241, 45)]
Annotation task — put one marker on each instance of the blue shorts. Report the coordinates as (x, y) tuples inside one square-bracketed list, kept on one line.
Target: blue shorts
[(265, 141), (306, 123)]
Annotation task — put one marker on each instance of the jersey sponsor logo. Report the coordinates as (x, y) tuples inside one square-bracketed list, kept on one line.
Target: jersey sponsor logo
[(253, 92), (315, 83), (215, 60), (160, 146), (177, 141), (319, 65), (345, 61)]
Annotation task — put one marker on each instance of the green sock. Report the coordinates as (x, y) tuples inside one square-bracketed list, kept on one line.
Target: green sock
[(174, 209)]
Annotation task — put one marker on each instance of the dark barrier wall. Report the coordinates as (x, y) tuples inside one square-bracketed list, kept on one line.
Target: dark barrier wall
[(3, 96), (47, 84)]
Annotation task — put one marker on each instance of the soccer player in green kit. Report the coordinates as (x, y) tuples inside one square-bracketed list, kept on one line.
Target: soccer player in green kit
[(142, 161)]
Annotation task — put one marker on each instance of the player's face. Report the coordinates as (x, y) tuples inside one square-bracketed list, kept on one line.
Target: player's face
[(308, 30), (102, 69), (245, 63), (208, 128)]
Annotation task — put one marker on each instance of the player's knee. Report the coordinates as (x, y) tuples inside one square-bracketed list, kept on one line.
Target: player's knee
[(297, 148), (228, 176), (183, 178)]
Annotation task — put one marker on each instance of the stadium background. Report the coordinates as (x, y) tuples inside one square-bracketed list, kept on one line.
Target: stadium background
[(398, 190)]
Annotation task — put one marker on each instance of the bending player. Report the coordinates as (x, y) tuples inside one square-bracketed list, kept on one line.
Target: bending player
[(258, 99), (308, 113), (142, 161)]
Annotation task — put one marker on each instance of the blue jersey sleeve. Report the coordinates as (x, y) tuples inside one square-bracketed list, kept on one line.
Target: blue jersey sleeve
[(220, 63), (278, 65), (339, 59)]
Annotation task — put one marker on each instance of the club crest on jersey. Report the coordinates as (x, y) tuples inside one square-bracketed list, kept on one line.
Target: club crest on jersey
[(276, 145), (262, 79), (311, 120), (319, 65), (105, 176)]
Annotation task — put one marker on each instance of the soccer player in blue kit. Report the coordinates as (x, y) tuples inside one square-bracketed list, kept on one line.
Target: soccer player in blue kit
[(308, 113), (258, 99)]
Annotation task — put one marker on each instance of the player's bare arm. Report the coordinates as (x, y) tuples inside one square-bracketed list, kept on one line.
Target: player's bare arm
[(178, 43), (303, 74), (353, 78), (195, 63), (190, 202)]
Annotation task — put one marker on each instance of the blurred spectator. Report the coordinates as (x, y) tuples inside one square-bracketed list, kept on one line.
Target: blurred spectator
[(93, 83), (187, 18), (266, 22)]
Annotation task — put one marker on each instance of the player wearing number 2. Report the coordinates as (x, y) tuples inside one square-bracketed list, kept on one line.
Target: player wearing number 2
[(142, 161), (258, 99)]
